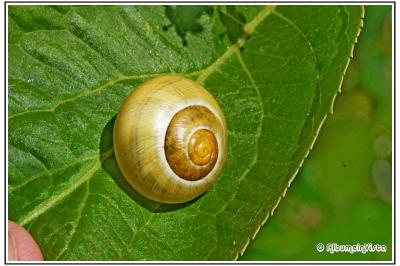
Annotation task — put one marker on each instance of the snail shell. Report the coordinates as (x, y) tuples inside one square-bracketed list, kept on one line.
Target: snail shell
[(170, 139)]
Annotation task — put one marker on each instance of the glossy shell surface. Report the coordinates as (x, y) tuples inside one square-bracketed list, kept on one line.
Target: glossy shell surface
[(170, 139)]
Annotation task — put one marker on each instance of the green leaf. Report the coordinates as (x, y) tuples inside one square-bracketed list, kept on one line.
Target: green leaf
[(70, 68)]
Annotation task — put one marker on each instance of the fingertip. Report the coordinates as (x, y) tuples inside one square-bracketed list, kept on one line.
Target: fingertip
[(21, 245)]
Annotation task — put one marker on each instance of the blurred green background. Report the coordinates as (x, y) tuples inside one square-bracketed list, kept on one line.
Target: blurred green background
[(343, 192)]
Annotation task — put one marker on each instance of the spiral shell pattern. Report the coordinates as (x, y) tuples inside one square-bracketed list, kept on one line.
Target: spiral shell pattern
[(170, 139)]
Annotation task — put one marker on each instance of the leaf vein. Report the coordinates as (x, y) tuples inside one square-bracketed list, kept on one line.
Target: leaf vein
[(48, 204), (77, 221)]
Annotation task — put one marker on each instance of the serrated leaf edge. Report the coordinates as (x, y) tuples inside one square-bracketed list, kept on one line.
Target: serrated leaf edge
[(271, 212)]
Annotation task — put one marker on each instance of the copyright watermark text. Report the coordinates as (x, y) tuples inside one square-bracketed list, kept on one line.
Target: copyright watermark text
[(356, 248)]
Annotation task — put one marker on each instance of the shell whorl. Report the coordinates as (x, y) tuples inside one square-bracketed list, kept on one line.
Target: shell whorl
[(191, 148), (170, 139)]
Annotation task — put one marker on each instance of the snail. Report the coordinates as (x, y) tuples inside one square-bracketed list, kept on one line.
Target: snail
[(170, 139)]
